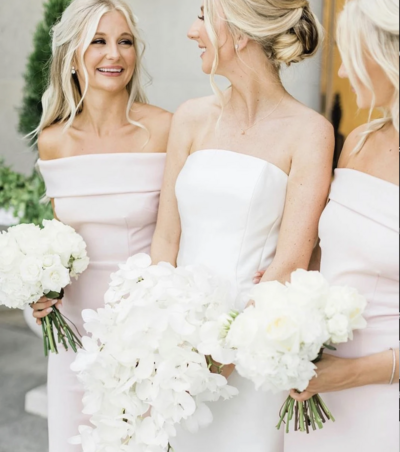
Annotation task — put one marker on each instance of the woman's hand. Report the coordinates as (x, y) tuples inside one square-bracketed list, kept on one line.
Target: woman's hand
[(333, 374), (43, 308), (258, 277)]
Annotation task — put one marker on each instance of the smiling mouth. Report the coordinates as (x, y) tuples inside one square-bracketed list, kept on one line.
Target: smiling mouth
[(203, 50), (110, 71)]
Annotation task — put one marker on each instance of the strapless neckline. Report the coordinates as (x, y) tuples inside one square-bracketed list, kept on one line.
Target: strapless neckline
[(239, 155)]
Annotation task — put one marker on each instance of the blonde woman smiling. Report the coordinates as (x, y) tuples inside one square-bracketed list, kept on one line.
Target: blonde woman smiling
[(102, 155), (247, 178), (360, 244)]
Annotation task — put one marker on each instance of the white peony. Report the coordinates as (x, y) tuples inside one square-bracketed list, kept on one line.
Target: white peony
[(29, 239)]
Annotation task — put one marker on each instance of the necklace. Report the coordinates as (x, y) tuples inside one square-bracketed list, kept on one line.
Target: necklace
[(244, 131)]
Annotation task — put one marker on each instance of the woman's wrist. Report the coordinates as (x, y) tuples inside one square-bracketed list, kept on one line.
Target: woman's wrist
[(375, 370)]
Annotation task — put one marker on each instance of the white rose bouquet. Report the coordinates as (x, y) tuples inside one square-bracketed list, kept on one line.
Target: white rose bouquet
[(279, 340), (141, 368), (37, 262)]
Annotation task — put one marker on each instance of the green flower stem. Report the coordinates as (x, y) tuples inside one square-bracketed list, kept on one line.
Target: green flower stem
[(301, 416), (312, 417), (325, 408), (170, 448), (46, 348), (284, 412), (290, 414), (317, 417), (49, 332)]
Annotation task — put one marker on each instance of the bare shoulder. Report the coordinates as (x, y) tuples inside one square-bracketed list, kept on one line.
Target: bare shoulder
[(152, 115), (316, 137), (196, 110), (351, 143), (50, 142)]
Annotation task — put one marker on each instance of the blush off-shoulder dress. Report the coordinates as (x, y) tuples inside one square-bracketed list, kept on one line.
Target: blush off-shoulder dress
[(359, 234), (112, 201)]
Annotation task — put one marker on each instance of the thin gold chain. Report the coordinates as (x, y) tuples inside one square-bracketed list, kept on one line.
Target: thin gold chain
[(261, 119)]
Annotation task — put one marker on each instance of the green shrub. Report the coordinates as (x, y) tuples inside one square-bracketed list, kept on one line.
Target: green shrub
[(23, 195)]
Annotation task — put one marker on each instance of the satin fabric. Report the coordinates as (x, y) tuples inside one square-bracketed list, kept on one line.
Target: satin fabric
[(231, 207), (112, 201), (359, 233)]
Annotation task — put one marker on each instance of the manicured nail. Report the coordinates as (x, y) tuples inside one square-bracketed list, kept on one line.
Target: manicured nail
[(48, 311), (54, 302)]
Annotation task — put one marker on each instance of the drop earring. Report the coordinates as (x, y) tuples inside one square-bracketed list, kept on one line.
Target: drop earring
[(73, 71)]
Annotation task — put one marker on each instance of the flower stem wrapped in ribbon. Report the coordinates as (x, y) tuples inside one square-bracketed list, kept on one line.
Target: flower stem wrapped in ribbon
[(37, 262)]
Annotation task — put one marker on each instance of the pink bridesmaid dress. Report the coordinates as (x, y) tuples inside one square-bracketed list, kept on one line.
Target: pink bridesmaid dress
[(112, 201), (359, 233)]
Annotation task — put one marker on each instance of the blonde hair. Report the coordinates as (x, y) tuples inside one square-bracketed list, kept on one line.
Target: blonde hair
[(287, 30), (63, 99), (371, 28)]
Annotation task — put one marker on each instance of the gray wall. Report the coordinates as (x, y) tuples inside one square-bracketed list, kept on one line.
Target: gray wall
[(172, 60)]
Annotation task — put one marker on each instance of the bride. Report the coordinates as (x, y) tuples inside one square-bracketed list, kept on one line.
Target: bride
[(248, 174)]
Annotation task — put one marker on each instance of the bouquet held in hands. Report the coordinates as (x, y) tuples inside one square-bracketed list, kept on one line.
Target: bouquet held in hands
[(37, 262)]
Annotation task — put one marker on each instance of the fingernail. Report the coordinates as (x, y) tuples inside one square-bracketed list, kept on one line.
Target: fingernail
[(54, 302), (48, 311)]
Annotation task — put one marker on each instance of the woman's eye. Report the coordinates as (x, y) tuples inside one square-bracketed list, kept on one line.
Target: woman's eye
[(99, 41), (201, 18), (127, 42)]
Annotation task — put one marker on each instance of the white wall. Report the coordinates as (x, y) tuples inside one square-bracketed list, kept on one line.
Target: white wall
[(172, 60)]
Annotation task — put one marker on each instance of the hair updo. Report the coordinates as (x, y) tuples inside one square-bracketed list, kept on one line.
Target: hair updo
[(287, 30)]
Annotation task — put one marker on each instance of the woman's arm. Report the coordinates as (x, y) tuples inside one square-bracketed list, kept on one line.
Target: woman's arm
[(309, 183), (338, 374), (165, 246)]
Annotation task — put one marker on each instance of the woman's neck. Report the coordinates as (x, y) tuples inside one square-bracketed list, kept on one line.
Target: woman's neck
[(104, 113), (256, 88)]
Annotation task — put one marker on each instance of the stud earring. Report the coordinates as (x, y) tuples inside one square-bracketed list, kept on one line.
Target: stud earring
[(237, 47), (73, 71)]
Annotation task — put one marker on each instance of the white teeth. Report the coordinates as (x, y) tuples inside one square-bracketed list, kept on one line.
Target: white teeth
[(112, 71)]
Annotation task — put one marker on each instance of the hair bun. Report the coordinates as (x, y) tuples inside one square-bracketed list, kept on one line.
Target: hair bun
[(300, 42)]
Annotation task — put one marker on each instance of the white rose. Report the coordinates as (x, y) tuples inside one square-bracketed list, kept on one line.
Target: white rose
[(308, 289), (283, 331), (347, 301), (78, 246), (339, 329), (269, 294), (10, 256), (55, 279), (29, 239), (79, 266), (244, 329), (31, 269), (51, 260)]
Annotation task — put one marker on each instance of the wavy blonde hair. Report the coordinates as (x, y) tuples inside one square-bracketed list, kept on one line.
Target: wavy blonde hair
[(370, 28), (287, 30), (64, 99)]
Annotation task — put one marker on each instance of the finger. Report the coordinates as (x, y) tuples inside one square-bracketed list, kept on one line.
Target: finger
[(39, 322), (59, 304), (46, 305), (303, 397), (42, 314)]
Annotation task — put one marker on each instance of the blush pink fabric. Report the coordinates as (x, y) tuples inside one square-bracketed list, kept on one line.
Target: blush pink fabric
[(112, 201), (359, 233)]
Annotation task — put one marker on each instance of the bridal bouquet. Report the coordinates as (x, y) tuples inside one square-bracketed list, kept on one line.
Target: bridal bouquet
[(37, 262), (278, 341), (141, 368)]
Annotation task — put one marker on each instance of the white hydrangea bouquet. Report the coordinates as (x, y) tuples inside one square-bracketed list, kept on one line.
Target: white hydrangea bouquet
[(37, 262), (279, 340), (141, 368)]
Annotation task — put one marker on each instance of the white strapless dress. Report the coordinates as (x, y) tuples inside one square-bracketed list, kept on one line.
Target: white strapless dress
[(231, 207)]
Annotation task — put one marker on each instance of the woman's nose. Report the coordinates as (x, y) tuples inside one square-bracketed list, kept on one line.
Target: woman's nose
[(113, 52), (193, 33)]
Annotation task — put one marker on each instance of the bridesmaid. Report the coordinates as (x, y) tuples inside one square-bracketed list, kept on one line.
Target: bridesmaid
[(244, 167), (102, 155), (360, 244)]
